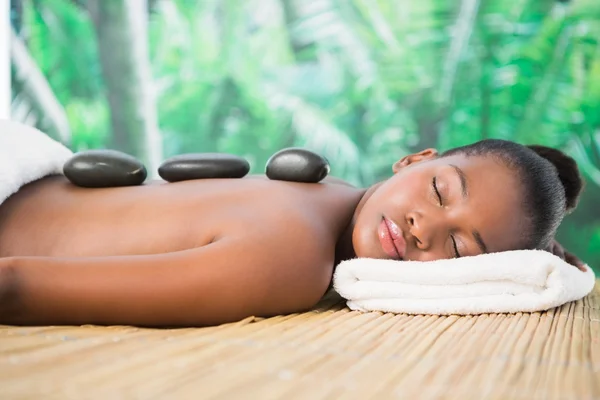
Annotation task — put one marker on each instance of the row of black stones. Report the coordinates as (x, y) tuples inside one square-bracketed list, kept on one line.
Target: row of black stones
[(110, 168)]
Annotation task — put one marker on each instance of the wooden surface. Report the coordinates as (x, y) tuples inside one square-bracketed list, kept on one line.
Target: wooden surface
[(328, 353)]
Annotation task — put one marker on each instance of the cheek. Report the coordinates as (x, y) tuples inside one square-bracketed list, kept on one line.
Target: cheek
[(407, 191), (399, 195)]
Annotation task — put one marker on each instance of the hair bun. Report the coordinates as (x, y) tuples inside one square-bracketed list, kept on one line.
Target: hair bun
[(568, 172)]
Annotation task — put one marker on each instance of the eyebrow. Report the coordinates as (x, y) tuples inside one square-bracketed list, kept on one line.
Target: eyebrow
[(463, 180), (479, 241)]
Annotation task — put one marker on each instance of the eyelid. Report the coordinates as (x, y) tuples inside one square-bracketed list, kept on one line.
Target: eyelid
[(457, 254), (435, 188), (437, 192)]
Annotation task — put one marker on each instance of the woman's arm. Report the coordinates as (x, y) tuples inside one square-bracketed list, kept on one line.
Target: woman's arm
[(224, 281)]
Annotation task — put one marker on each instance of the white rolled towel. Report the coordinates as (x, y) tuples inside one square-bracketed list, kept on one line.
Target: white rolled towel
[(506, 282), (26, 155)]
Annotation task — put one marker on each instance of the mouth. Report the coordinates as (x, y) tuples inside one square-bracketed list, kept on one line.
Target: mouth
[(391, 239)]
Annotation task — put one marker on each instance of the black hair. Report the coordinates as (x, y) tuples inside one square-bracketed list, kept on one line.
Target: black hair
[(551, 184)]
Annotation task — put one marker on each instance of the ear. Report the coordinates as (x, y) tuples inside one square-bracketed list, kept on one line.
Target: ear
[(427, 154)]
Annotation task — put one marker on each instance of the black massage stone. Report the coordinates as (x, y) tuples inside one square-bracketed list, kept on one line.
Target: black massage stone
[(297, 165), (104, 168), (203, 166)]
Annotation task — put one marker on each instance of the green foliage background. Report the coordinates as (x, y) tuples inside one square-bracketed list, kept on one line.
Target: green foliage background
[(362, 82)]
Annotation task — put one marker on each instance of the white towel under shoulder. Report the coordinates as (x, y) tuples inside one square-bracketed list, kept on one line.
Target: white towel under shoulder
[(26, 155), (512, 281)]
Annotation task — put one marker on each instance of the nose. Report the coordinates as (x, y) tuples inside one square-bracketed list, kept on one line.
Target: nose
[(424, 229)]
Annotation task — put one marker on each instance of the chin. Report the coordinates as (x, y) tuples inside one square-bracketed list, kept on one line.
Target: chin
[(364, 246), (359, 242)]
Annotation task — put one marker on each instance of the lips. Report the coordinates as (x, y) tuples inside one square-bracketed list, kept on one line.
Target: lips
[(391, 239)]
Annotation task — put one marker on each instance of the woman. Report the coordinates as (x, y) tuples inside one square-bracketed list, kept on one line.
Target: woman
[(207, 252)]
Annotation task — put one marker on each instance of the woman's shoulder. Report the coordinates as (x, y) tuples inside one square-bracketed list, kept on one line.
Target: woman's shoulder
[(338, 181), (310, 217)]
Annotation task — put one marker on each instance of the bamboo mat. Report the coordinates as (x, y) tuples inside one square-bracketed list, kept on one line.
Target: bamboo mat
[(328, 353)]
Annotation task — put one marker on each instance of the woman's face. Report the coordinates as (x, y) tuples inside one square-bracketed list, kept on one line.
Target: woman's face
[(436, 208)]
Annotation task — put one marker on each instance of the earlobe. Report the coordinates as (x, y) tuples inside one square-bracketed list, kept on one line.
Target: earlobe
[(427, 154)]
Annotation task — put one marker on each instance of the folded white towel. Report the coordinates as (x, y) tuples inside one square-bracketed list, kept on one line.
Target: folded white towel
[(512, 281), (26, 155)]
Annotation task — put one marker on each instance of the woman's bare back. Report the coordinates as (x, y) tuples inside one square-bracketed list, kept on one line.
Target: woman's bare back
[(54, 218), (268, 246)]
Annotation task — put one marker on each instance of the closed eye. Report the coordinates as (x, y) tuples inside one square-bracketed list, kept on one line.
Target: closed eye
[(435, 189), (439, 196), (456, 253)]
